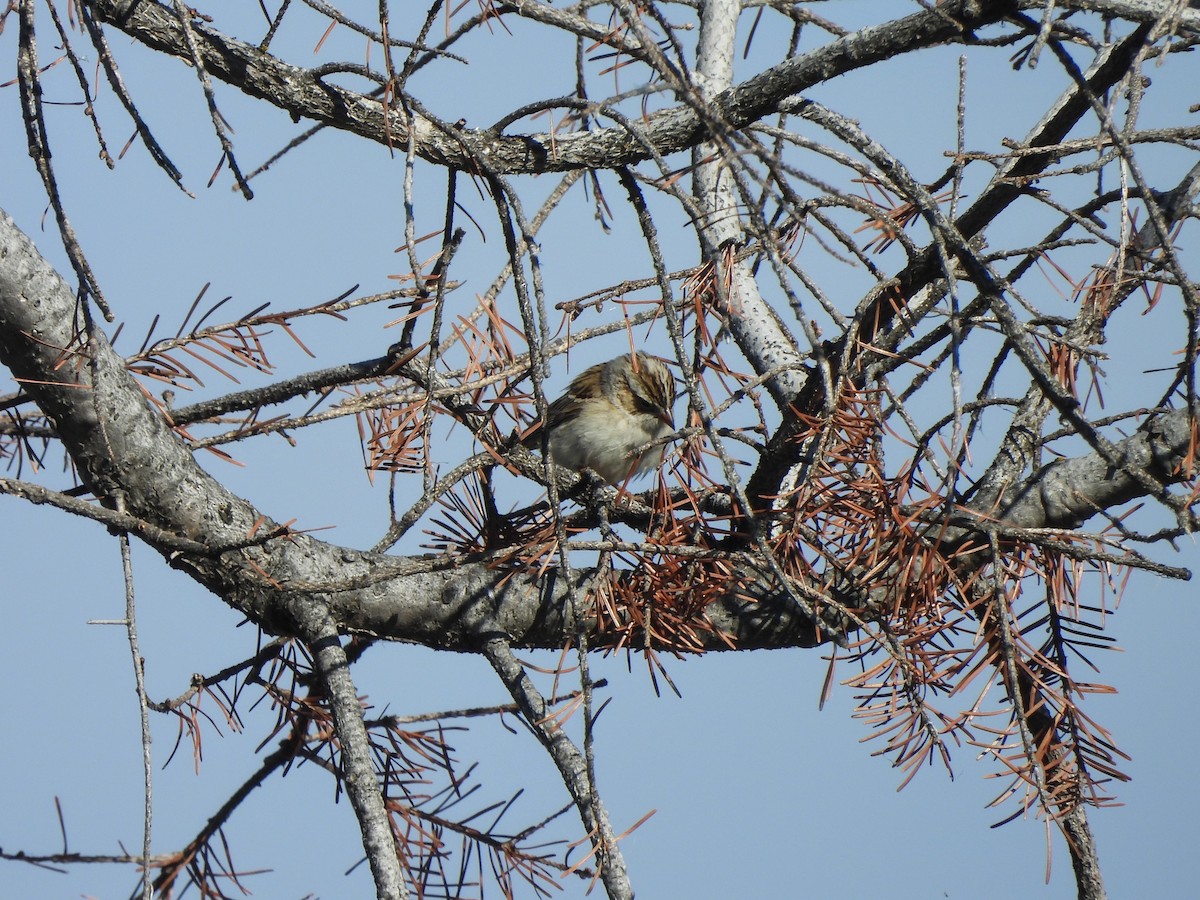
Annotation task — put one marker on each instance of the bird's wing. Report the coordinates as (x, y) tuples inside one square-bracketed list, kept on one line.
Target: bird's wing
[(586, 386)]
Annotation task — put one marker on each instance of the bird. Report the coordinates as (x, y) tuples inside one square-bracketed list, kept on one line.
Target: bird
[(611, 411)]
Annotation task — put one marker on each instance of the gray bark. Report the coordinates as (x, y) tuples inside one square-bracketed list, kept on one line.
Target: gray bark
[(302, 94), (120, 443)]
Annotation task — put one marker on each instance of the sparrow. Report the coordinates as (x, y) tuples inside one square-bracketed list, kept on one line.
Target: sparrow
[(609, 413)]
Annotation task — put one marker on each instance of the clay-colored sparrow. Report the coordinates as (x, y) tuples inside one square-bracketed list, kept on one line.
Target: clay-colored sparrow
[(611, 411)]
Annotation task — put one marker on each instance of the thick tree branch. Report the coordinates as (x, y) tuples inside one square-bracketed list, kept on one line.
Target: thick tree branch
[(320, 631), (119, 442), (764, 340), (886, 305), (1068, 492), (571, 764), (906, 555), (439, 603), (301, 93)]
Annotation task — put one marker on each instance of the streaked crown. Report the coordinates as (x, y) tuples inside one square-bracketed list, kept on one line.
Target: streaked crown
[(650, 383)]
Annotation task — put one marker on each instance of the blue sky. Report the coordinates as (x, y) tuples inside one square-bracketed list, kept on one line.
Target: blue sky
[(757, 793)]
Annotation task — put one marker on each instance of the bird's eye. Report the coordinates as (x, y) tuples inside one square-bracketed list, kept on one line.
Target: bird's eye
[(650, 408)]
